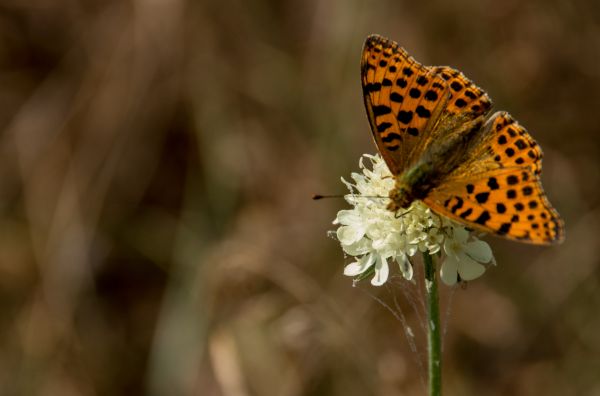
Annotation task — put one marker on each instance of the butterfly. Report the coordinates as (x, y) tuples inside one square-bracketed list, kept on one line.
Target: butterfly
[(434, 129)]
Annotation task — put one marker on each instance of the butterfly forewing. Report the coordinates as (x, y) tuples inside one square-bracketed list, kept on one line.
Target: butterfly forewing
[(403, 99)]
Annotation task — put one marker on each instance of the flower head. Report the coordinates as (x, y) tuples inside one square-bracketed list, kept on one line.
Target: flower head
[(376, 237)]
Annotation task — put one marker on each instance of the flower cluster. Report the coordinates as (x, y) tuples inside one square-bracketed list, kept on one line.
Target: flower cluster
[(375, 236)]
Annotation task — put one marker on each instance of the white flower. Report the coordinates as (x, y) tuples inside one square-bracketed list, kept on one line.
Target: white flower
[(464, 258), (375, 236)]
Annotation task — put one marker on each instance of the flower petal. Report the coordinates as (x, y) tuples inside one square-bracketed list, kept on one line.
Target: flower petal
[(433, 248), (460, 235), (348, 235), (469, 269), (449, 271), (479, 251), (347, 217), (358, 248), (405, 266), (349, 185), (382, 270), (360, 265)]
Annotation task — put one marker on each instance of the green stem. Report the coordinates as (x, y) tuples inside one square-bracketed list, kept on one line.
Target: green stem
[(434, 342)]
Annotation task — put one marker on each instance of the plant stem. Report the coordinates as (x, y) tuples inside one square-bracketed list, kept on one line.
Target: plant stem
[(434, 342)]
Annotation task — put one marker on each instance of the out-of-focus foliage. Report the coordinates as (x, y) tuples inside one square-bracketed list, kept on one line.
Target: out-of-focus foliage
[(157, 234)]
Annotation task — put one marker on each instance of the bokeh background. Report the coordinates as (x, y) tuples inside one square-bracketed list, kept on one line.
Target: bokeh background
[(157, 236)]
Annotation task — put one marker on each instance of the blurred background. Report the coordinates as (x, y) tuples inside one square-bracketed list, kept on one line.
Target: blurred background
[(157, 234)]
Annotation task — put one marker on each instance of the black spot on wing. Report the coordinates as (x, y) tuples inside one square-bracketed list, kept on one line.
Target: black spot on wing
[(466, 213), (504, 228), (396, 97), (422, 80), (483, 218), (383, 126), (456, 86), (414, 93), (459, 203), (493, 183), (431, 95), (381, 110), (482, 197), (391, 137), (372, 87), (422, 112), (404, 116), (470, 94)]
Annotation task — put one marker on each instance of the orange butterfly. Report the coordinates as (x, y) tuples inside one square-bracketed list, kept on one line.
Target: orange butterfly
[(434, 130)]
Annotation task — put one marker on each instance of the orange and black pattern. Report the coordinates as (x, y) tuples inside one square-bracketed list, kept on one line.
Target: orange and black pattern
[(414, 109), (403, 99)]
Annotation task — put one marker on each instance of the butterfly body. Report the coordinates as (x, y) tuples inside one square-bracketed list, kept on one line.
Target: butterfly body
[(433, 128), (435, 165)]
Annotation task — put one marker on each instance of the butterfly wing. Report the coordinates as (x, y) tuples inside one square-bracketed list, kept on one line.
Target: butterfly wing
[(411, 106), (497, 188), (466, 98), (403, 98)]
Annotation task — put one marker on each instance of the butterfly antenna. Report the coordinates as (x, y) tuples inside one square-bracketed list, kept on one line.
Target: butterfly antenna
[(319, 196)]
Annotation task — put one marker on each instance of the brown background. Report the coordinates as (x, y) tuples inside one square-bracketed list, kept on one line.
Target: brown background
[(157, 236)]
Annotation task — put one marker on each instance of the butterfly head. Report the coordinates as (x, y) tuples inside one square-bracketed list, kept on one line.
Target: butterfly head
[(400, 197)]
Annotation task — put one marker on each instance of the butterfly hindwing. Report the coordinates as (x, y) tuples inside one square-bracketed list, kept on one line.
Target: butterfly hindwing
[(462, 104), (502, 195), (465, 96), (492, 203), (466, 103), (512, 145)]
